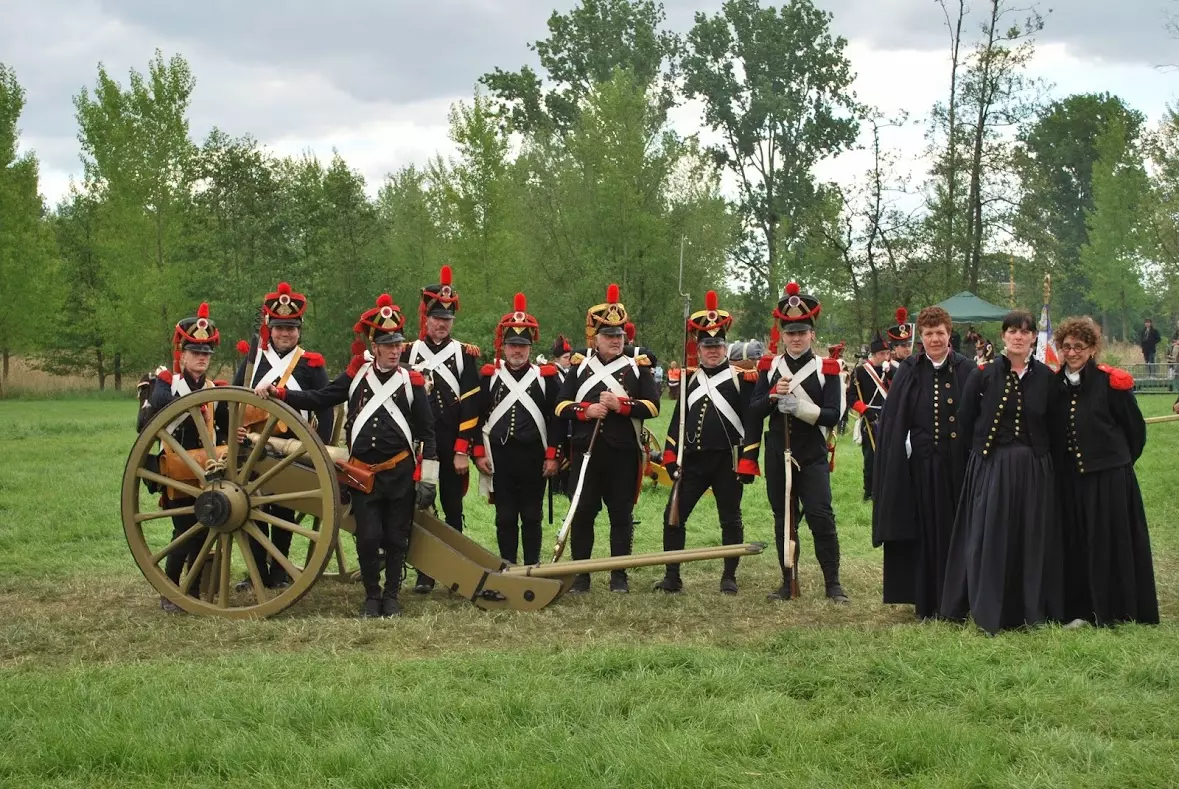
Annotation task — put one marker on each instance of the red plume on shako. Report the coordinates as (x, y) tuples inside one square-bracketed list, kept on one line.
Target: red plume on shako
[(382, 324), (608, 318), (516, 327), (198, 334), (706, 327), (438, 301), (796, 311)]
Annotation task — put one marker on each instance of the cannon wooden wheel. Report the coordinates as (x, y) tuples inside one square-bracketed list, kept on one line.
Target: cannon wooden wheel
[(227, 495)]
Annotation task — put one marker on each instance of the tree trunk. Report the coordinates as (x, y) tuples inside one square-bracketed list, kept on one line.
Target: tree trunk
[(974, 230), (952, 142), (101, 370), (4, 377), (118, 372)]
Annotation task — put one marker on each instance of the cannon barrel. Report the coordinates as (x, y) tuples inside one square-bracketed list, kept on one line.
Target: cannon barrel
[(293, 446)]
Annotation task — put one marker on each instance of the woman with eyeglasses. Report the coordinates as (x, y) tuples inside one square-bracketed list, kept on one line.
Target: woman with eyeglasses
[(1097, 435), (1004, 564)]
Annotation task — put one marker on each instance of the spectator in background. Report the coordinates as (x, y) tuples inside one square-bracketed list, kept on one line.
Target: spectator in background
[(673, 379), (956, 341), (1148, 341), (657, 374)]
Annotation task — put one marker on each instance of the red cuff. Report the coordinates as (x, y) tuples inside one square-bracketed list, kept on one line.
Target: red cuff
[(550, 453), (668, 457), (747, 466), (478, 451), (280, 392), (460, 446), (625, 406), (859, 407), (581, 411)]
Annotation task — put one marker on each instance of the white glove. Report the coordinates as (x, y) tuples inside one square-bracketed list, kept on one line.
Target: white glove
[(430, 472), (788, 404)]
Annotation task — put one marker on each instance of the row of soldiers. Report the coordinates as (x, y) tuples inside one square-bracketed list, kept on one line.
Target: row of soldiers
[(420, 413)]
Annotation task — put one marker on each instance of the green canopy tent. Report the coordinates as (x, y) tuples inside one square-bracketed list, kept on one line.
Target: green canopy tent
[(965, 307)]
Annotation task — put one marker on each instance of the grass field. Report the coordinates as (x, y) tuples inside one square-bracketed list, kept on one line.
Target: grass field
[(100, 688)]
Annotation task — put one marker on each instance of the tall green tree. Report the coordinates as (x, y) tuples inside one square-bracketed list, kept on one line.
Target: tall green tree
[(776, 85), (1055, 158), (584, 48), (27, 255), (1112, 257), (138, 161)]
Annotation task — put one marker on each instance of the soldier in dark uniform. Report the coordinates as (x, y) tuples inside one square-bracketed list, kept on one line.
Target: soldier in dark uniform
[(866, 393), (561, 354), (803, 394), (281, 360), (716, 454), (517, 425), (900, 339), (921, 455), (194, 341), (619, 390), (388, 412), (451, 371)]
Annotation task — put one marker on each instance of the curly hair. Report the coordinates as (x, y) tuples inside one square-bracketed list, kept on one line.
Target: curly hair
[(1082, 327), (930, 317)]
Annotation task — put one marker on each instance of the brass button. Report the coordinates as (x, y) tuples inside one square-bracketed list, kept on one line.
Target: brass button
[(951, 419), (953, 435), (950, 400), (947, 384)]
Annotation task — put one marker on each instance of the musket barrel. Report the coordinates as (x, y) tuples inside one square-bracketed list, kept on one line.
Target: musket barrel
[(562, 569)]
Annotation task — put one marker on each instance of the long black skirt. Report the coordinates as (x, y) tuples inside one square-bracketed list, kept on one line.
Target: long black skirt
[(915, 569), (1108, 569), (1005, 562)]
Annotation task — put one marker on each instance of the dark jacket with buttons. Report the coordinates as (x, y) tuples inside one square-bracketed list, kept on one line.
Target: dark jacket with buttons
[(518, 424), (1096, 425), (999, 408), (379, 439), (922, 406), (707, 429)]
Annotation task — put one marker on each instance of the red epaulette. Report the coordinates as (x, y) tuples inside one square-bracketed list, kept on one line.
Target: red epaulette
[(488, 370), (313, 359), (165, 376), (830, 366), (548, 370), (219, 382), (765, 363), (416, 378), (471, 350), (1118, 378), (750, 375), (355, 365)]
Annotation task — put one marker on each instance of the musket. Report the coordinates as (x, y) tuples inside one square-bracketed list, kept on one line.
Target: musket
[(673, 517), (788, 554), (563, 534), (550, 487)]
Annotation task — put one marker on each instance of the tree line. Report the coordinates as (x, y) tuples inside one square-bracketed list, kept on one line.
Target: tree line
[(571, 176)]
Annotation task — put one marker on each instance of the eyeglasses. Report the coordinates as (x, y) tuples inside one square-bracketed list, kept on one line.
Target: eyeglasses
[(1074, 348)]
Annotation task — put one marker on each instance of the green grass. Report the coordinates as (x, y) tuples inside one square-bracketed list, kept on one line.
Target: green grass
[(99, 688)]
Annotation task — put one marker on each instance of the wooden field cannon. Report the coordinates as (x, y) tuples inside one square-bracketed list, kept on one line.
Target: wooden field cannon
[(229, 483)]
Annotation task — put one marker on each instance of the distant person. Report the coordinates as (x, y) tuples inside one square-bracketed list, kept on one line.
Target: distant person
[(1148, 341), (657, 374), (956, 341), (673, 379)]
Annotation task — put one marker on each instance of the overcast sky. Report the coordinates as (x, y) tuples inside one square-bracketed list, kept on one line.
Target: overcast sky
[(375, 78)]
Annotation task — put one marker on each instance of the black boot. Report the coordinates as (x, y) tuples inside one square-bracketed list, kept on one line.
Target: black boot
[(731, 534), (389, 604), (670, 582), (728, 584), (370, 575), (618, 581), (581, 584), (394, 565), (424, 585), (827, 554), (372, 605), (783, 592)]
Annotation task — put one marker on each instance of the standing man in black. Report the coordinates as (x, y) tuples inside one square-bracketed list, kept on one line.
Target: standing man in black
[(618, 389), (281, 360), (1148, 341), (900, 338), (518, 428), (451, 371), (866, 393), (804, 394), (562, 353), (388, 413), (716, 454), (194, 340)]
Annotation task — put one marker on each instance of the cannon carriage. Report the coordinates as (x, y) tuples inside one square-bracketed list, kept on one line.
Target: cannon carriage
[(229, 483)]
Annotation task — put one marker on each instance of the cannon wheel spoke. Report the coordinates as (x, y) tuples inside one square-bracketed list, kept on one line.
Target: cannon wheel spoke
[(253, 530), (202, 428), (173, 512), (168, 482), (243, 545), (158, 556), (295, 495), (258, 448), (198, 564), (170, 441), (274, 470), (282, 523), (224, 568)]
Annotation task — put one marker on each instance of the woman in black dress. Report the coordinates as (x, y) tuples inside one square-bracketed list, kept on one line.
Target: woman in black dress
[(920, 465), (1097, 435), (1004, 566)]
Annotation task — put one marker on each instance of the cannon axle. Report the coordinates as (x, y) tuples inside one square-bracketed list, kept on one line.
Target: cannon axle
[(223, 506)]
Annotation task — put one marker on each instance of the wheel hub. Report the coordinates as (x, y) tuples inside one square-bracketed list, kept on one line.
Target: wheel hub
[(222, 506)]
